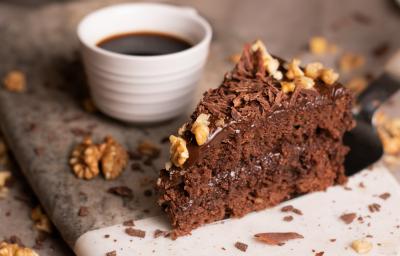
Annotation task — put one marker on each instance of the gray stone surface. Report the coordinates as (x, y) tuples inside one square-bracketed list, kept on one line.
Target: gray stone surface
[(39, 124)]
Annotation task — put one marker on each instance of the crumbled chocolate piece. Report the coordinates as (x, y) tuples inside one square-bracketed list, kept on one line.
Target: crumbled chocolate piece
[(128, 223), (384, 196), (374, 207), (276, 238), (297, 211), (148, 193), (83, 211), (136, 167), (107, 236), (332, 240), (381, 49), (112, 253), (290, 208), (135, 232), (361, 185), (288, 218), (241, 246), (158, 233), (122, 191), (362, 18), (319, 253), (348, 217)]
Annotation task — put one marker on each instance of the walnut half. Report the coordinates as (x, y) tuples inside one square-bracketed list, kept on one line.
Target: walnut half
[(114, 158), (85, 159), (41, 220), (178, 151), (7, 249)]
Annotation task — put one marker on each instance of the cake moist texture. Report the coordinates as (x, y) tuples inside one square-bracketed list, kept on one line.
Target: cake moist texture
[(270, 132)]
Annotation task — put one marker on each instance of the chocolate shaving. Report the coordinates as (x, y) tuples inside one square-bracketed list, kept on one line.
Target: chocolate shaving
[(241, 246), (290, 208), (112, 253), (319, 253), (384, 196), (122, 191), (135, 232), (288, 218), (348, 217), (276, 238), (374, 207), (128, 223), (159, 232)]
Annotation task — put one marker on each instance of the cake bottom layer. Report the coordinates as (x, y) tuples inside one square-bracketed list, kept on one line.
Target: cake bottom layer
[(290, 171)]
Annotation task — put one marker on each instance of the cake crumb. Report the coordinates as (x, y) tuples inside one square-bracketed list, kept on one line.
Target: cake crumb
[(15, 81), (241, 246), (158, 233), (288, 218), (361, 246), (128, 223), (348, 217), (135, 232), (277, 238), (83, 211), (319, 253)]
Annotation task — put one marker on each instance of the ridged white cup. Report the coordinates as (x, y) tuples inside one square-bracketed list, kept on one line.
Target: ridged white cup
[(143, 89)]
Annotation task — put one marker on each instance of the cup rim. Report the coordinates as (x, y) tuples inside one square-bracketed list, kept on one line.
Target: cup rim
[(190, 12)]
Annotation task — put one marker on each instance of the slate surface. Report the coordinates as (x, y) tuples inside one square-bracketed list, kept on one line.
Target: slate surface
[(41, 125)]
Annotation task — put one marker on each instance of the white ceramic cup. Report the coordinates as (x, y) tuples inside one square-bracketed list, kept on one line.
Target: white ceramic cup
[(143, 89)]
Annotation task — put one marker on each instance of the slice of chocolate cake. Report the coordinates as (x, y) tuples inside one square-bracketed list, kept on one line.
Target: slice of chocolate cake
[(272, 131)]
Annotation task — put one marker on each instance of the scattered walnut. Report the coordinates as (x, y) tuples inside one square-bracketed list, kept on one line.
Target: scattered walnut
[(351, 61), (357, 84), (294, 70), (114, 158), (361, 246), (15, 81), (271, 64), (318, 45), (288, 86), (304, 82), (89, 106), (329, 76), (313, 70), (200, 128), (234, 58), (7, 249), (42, 222), (4, 176), (85, 159), (178, 151), (389, 132)]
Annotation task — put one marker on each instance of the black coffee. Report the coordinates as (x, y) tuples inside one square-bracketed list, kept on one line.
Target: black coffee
[(144, 43)]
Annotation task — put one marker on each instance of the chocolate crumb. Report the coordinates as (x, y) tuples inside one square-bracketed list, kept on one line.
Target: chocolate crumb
[(128, 223), (148, 193), (361, 185), (135, 232), (159, 232), (362, 18), (347, 188), (297, 211), (136, 167), (83, 211), (223, 248), (122, 191), (288, 218), (374, 207), (384, 196), (277, 238), (319, 254), (287, 208), (381, 49), (332, 240), (369, 236), (107, 236), (241, 246), (348, 217), (112, 253)]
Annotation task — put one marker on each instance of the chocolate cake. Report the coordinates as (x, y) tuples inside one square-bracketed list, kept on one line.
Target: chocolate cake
[(270, 132)]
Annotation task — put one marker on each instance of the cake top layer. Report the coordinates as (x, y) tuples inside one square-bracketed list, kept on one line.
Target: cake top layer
[(258, 85)]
